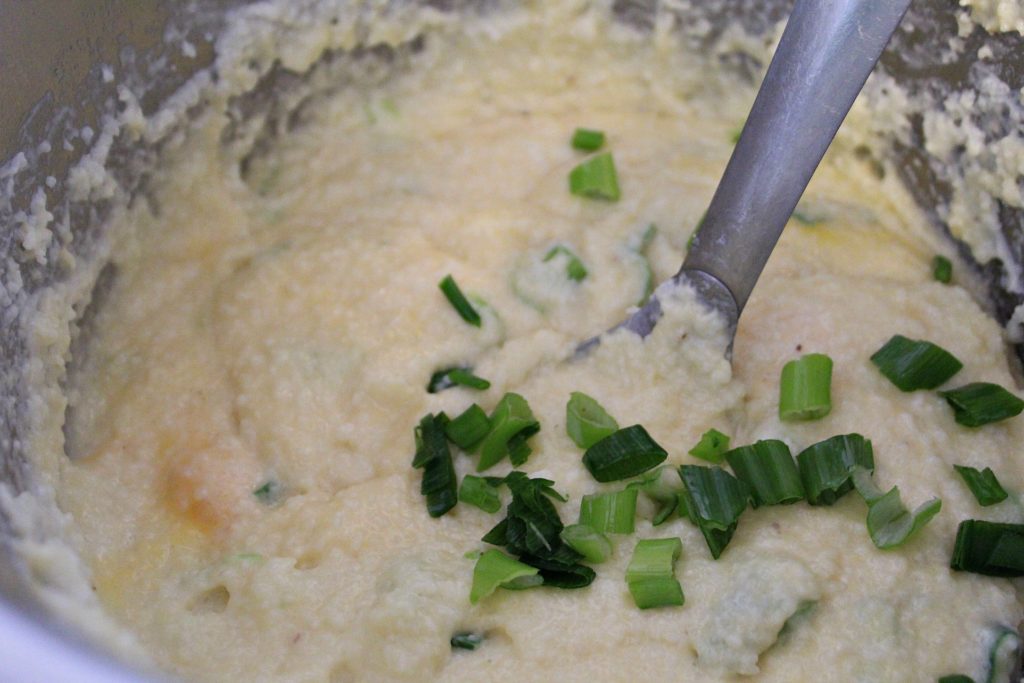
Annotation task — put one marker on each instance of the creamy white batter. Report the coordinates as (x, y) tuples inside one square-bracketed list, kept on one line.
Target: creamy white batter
[(281, 326)]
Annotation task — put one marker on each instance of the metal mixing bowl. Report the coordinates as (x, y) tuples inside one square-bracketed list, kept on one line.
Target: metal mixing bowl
[(51, 52)]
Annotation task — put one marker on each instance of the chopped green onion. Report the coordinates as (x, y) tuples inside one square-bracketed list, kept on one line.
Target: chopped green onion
[(983, 484), (915, 364), (450, 377), (956, 678), (574, 268), (493, 570), (942, 269), (518, 450), (459, 301), (980, 403), (712, 446), (610, 513), (989, 548), (480, 492), (665, 496), (434, 457), (651, 573), (268, 493), (595, 178), (558, 574), (468, 428), (1004, 656), (532, 526), (805, 392), (637, 246), (767, 467), (623, 454), (467, 641), (587, 139), (826, 467), (889, 522), (511, 417), (714, 500), (592, 545), (586, 421)]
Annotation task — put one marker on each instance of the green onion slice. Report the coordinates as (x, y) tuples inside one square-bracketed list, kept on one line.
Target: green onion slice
[(983, 484), (587, 139), (586, 421), (574, 268), (989, 548), (714, 501), (980, 403), (826, 467), (767, 467), (610, 513), (467, 641), (942, 269), (493, 570), (468, 428), (805, 391), (712, 446), (595, 178), (889, 522), (666, 497), (915, 364), (651, 573), (592, 545), (433, 456), (450, 377), (1003, 656), (480, 492), (511, 417), (459, 301), (560, 574), (268, 493), (623, 454)]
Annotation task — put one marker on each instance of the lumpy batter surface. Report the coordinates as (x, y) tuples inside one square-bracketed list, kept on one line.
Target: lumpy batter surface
[(271, 327)]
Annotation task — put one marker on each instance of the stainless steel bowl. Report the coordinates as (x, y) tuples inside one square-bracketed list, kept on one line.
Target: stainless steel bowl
[(53, 82)]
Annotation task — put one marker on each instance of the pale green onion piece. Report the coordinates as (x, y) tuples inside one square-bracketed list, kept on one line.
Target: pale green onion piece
[(478, 491), (890, 524), (651, 573), (586, 421), (805, 390), (981, 403), (587, 139), (712, 446), (595, 178), (592, 545), (610, 513), (666, 497), (493, 570), (574, 268), (1003, 656)]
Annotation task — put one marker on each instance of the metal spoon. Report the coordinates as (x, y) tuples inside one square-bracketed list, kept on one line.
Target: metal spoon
[(826, 53)]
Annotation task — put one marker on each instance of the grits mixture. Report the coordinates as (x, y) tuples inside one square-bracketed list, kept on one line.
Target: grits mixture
[(242, 418)]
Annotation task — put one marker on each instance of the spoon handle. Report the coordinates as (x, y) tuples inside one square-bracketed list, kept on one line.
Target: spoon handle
[(826, 53)]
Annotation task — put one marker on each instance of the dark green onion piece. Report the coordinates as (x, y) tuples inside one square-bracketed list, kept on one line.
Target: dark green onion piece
[(712, 446), (989, 548), (623, 454), (651, 573), (980, 403), (518, 450), (595, 178), (587, 139), (586, 421), (942, 269), (450, 377), (714, 501), (495, 569), (592, 545), (459, 301), (574, 268), (826, 467), (915, 364), (767, 467), (610, 513), (983, 484), (479, 492), (468, 428), (890, 524), (956, 678), (439, 484), (511, 417), (467, 641), (805, 391), (269, 493), (558, 574)]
